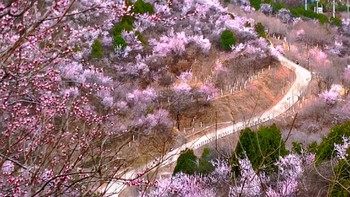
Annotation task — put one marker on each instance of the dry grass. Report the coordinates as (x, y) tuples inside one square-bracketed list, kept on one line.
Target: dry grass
[(260, 95)]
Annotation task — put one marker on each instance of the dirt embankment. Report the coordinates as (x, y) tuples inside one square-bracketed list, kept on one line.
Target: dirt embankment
[(258, 96)]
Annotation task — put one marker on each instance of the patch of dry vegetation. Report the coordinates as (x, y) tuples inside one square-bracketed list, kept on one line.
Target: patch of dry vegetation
[(259, 95)]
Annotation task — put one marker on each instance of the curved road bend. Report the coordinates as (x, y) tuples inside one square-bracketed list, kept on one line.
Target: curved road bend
[(303, 77)]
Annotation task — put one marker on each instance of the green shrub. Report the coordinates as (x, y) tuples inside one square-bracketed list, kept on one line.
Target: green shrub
[(309, 14), (322, 18), (341, 179), (119, 27), (128, 19), (311, 6), (297, 147), (263, 148), (126, 24), (186, 163), (204, 164), (255, 4), (336, 21), (118, 41), (312, 148), (227, 40), (141, 7), (325, 150), (277, 6), (302, 12), (96, 49), (341, 7), (260, 29)]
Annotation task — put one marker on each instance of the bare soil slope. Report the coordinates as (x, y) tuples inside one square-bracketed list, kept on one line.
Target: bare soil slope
[(259, 95)]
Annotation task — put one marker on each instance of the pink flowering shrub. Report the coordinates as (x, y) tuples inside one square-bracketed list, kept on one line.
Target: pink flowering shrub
[(58, 108), (290, 169), (249, 183), (208, 91), (182, 185), (320, 57), (222, 171), (176, 43), (330, 96), (286, 181), (193, 185)]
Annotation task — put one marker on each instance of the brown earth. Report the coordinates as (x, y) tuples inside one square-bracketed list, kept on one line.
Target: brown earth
[(259, 95)]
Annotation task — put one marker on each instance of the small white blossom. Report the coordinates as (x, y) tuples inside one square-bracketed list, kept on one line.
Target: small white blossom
[(342, 148)]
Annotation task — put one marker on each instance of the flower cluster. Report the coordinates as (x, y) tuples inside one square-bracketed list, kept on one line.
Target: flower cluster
[(331, 96), (341, 149)]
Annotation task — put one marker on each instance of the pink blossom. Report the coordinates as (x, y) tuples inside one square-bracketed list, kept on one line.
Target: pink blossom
[(134, 96), (272, 193), (338, 45), (202, 42), (182, 185), (300, 32), (187, 6), (72, 71), (47, 174), (122, 106), (310, 158), (221, 173), (185, 76), (208, 90), (249, 184), (107, 101), (319, 57), (182, 87), (149, 94), (251, 49), (341, 149), (279, 48), (240, 47), (175, 42), (163, 9), (72, 91), (219, 67), (248, 9), (330, 96), (159, 118), (7, 167), (285, 188), (290, 166)]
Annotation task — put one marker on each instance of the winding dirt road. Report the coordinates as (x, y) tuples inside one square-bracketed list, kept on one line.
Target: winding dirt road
[(303, 77)]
